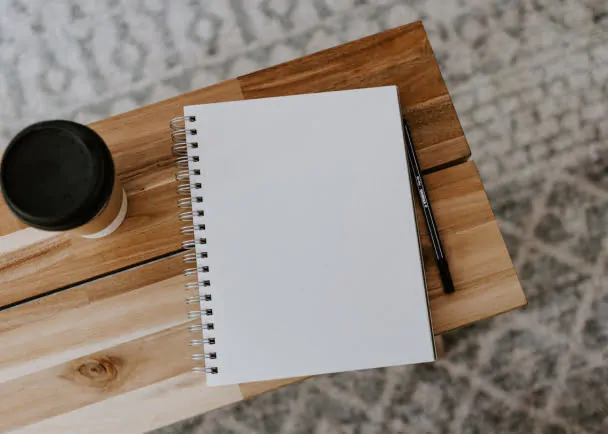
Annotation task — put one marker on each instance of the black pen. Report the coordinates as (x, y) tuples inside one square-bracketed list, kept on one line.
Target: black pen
[(440, 259)]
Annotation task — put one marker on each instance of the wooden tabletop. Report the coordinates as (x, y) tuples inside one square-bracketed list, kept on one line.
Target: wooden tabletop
[(94, 332)]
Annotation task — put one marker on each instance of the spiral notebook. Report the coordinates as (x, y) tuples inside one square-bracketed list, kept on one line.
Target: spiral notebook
[(302, 239)]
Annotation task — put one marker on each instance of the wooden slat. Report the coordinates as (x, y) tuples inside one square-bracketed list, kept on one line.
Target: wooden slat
[(95, 350), (32, 263), (98, 356), (402, 56), (90, 348), (109, 311), (43, 308), (80, 382), (140, 410), (118, 343), (485, 280)]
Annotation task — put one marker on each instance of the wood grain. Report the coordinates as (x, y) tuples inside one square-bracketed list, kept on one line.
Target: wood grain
[(140, 144), (140, 410), (97, 341), (122, 342), (118, 308), (402, 56), (99, 355), (486, 282), (96, 349), (83, 381), (32, 263)]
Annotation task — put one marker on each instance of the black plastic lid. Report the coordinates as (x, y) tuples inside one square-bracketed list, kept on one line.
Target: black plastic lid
[(57, 175)]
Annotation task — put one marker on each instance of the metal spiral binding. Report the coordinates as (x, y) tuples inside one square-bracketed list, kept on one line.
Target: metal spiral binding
[(183, 139)]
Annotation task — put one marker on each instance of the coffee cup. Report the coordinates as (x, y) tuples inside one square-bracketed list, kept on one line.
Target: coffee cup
[(59, 176)]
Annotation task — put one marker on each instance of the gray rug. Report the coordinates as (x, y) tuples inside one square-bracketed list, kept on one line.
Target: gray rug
[(529, 79)]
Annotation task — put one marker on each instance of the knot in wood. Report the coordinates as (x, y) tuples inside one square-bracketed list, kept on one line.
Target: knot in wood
[(99, 372)]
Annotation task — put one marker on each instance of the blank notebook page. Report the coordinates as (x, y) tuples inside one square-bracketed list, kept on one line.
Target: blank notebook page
[(313, 253)]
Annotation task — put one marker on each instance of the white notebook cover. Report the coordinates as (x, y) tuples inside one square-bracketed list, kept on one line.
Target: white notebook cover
[(313, 253)]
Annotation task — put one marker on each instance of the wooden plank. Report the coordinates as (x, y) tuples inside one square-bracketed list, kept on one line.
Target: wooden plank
[(33, 262), (83, 381), (486, 282), (140, 410), (110, 311), (99, 341), (150, 229), (100, 348), (121, 342), (402, 56), (44, 308)]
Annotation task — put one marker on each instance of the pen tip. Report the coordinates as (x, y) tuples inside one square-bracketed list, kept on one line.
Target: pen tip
[(448, 287), (446, 277)]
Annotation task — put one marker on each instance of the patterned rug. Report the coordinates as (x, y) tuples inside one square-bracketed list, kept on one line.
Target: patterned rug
[(529, 80)]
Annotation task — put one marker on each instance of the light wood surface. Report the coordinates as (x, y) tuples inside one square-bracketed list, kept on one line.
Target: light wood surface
[(402, 56), (32, 263), (94, 332), (481, 268), (122, 340)]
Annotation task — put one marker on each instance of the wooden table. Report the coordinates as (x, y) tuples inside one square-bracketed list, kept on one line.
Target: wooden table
[(93, 333)]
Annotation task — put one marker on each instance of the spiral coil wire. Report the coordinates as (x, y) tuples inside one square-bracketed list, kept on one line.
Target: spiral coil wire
[(184, 139)]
